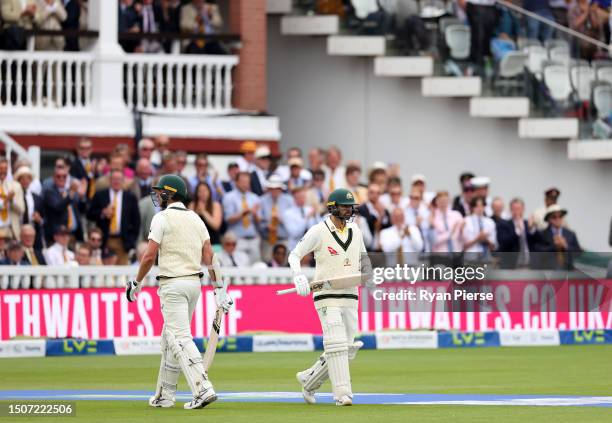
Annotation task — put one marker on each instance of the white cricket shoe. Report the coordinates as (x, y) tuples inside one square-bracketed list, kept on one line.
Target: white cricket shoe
[(344, 401), (206, 396), (160, 402), (309, 396)]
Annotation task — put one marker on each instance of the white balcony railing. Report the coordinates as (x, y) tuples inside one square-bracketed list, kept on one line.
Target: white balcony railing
[(179, 83), (62, 82), (41, 81)]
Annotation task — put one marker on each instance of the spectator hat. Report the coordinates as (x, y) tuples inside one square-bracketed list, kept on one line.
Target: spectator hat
[(295, 161), (275, 182), (552, 192), (379, 166), (262, 152), (248, 147), (418, 177), (61, 230), (480, 181), (555, 208), (23, 170)]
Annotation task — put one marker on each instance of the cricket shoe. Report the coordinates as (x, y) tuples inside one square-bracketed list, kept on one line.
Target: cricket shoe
[(309, 396), (344, 401), (206, 396), (160, 402)]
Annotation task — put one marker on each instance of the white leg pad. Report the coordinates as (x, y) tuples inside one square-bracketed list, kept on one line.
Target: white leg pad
[(169, 372), (317, 374), (190, 362), (336, 355)]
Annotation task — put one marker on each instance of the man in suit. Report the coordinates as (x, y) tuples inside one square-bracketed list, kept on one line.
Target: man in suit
[(83, 167), (14, 255), (32, 203), (33, 254), (375, 214), (229, 256), (116, 213), (232, 172), (559, 244), (202, 17), (128, 22), (461, 203), (259, 176), (141, 187), (63, 206), (516, 237), (11, 203), (73, 16), (150, 22)]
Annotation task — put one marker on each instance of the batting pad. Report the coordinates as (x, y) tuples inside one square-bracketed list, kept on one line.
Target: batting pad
[(317, 374), (190, 361), (336, 355), (169, 371)]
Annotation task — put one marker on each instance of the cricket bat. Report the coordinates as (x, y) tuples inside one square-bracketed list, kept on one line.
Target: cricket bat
[(213, 340), (342, 282)]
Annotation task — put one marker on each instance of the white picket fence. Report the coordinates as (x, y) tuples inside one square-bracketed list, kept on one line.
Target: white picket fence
[(42, 81)]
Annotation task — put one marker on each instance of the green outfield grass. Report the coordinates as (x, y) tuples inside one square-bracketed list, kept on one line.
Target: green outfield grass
[(579, 370)]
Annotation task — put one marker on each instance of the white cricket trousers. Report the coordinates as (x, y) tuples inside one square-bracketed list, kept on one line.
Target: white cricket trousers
[(332, 317), (178, 300)]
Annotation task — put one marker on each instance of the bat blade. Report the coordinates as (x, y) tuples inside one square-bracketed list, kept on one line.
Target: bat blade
[(213, 340)]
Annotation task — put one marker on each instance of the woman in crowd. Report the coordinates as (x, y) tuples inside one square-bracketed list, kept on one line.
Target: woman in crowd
[(209, 211)]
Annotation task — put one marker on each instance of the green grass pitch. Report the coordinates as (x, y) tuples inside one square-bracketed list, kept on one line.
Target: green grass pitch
[(572, 370)]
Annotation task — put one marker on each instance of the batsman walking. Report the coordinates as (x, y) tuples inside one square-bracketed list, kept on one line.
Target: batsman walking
[(339, 250), (180, 241)]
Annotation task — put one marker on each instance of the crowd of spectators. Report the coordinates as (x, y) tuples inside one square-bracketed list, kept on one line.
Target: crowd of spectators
[(134, 17), (97, 210)]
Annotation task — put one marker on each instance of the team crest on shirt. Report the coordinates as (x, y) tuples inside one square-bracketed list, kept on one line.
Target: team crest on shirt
[(332, 251), (347, 262)]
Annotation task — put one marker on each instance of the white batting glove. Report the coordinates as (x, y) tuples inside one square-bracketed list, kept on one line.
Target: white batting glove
[(132, 288), (301, 285), (223, 299)]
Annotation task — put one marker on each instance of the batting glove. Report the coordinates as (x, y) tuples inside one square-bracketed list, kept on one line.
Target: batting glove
[(223, 299), (132, 288), (302, 286)]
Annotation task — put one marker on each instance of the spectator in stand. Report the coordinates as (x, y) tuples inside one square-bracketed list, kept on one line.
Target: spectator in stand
[(393, 198), (117, 163), (300, 217), (498, 209), (14, 255), (71, 23), (115, 212), (375, 214), (83, 255), (247, 161), (141, 186), (295, 178), (11, 203), (294, 155), (378, 175), (316, 159), (146, 146), (170, 19), (109, 258), (61, 162), (559, 244), (335, 173), (59, 254), (229, 256), (417, 214), (206, 176), (419, 184), (162, 146), (15, 16), (446, 225), (271, 217), (551, 196), (169, 165), (522, 240), (181, 162), (479, 236), (411, 28), (202, 17), (232, 172), (150, 17), (583, 17), (279, 256), (84, 167), (316, 195), (241, 213), (353, 182), (503, 228), (128, 22), (63, 206), (601, 9), (482, 18), (209, 210), (559, 10), (33, 254), (32, 203), (461, 202), (537, 30), (259, 176), (401, 242), (481, 189), (95, 238), (123, 150)]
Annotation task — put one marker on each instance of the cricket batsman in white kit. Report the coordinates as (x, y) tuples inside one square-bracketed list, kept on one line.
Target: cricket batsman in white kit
[(339, 250), (180, 241)]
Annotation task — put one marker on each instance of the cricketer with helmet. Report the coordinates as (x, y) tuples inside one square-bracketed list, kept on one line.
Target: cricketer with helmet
[(339, 250), (180, 241)]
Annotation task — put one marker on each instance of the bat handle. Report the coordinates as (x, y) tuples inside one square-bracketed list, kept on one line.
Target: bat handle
[(286, 291)]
